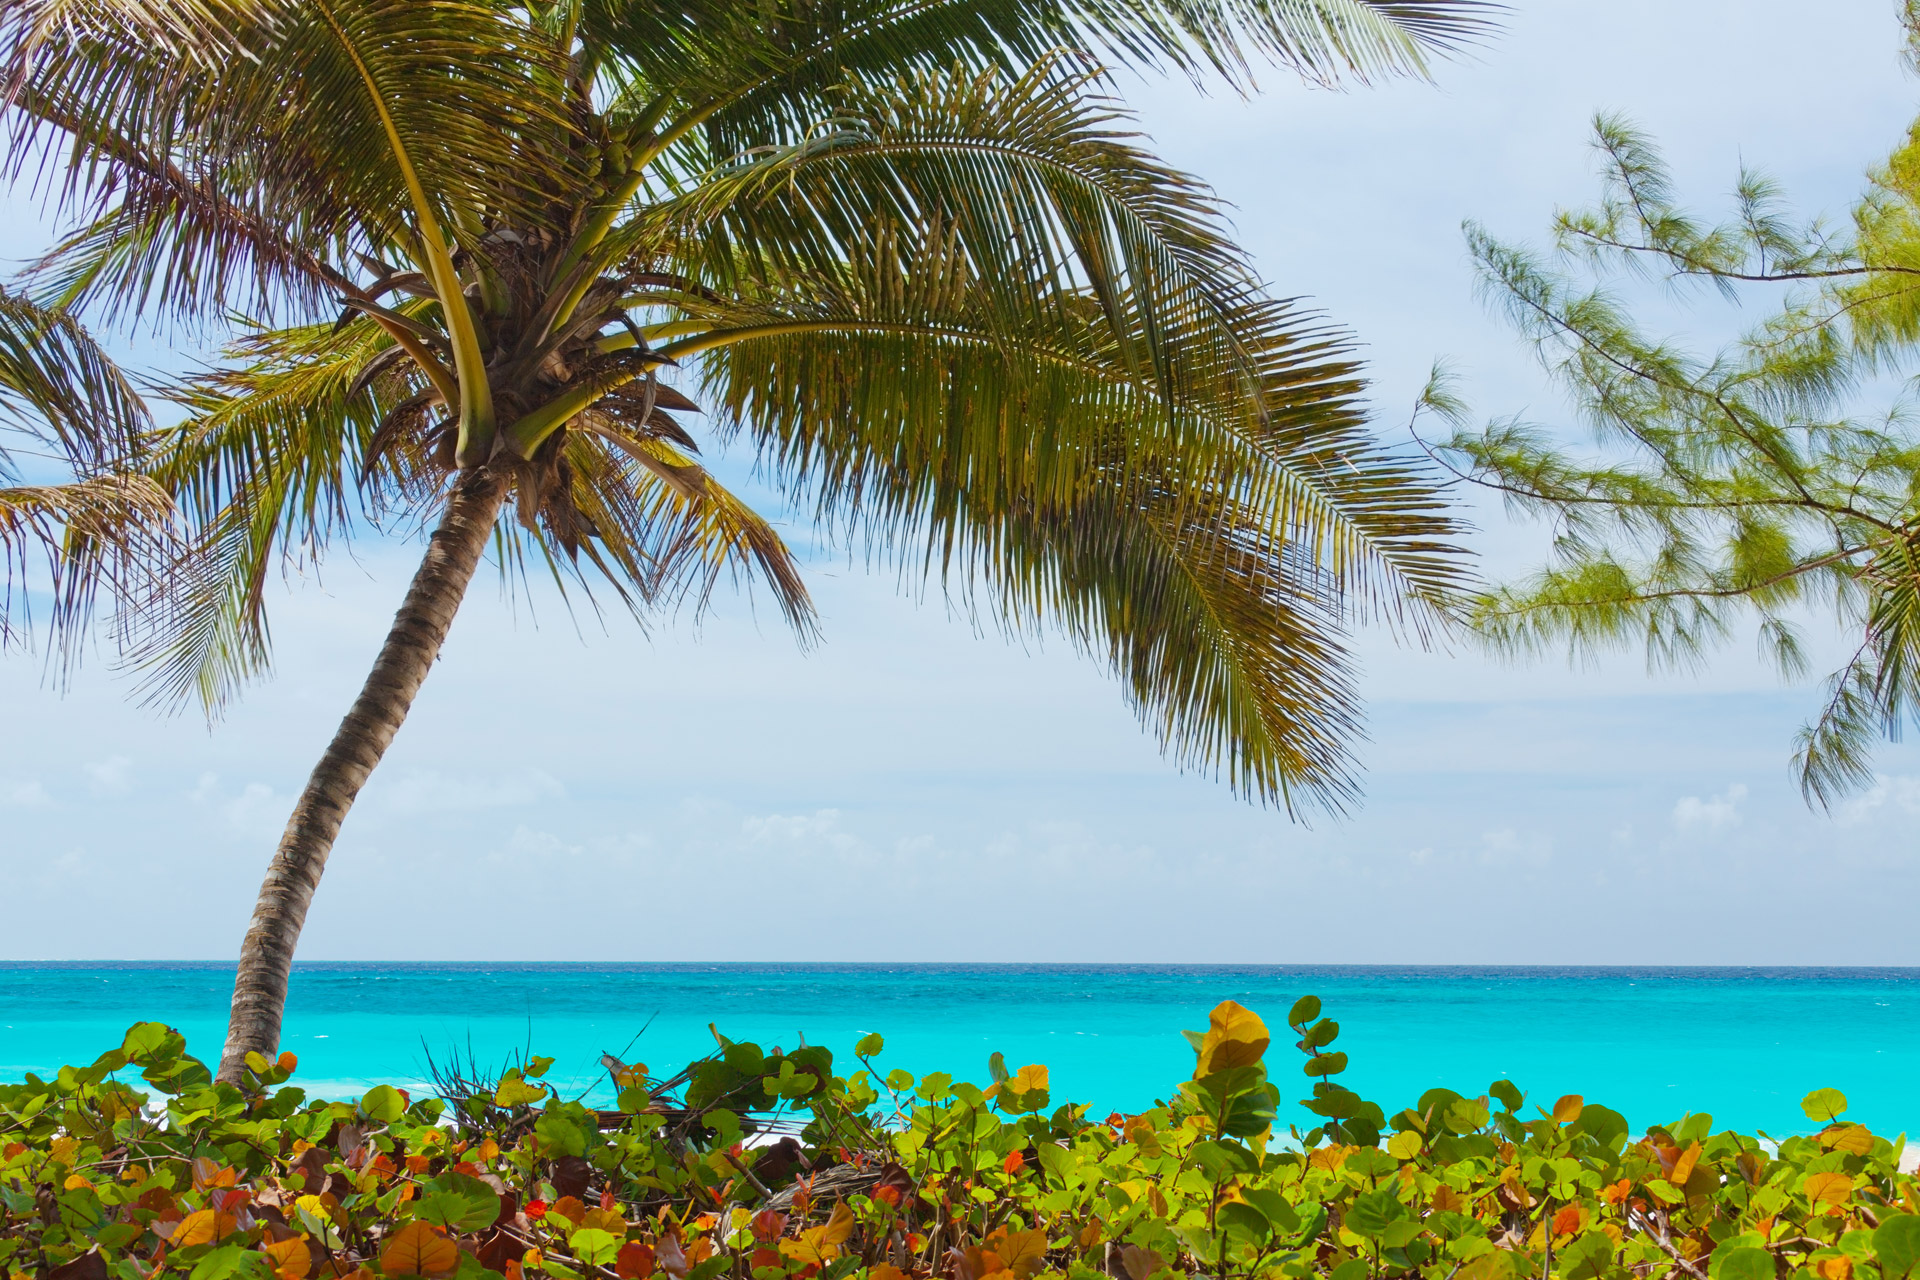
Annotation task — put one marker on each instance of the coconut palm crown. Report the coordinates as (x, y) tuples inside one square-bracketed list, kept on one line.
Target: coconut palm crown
[(488, 263)]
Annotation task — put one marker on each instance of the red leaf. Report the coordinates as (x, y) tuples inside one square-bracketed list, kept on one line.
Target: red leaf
[(634, 1261)]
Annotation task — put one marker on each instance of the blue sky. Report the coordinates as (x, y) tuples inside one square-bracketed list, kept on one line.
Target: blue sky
[(915, 789)]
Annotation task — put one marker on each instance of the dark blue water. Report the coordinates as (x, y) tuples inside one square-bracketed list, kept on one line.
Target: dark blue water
[(1745, 1044)]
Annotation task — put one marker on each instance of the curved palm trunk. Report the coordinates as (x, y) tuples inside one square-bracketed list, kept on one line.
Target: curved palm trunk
[(419, 629)]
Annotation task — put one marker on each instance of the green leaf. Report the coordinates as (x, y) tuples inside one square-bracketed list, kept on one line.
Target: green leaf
[(382, 1104), (1322, 1033), (1371, 1214), (1743, 1263), (1243, 1222), (1370, 1162), (1823, 1106), (559, 1133), (593, 1246), (1508, 1095), (1897, 1242), (459, 1202), (1278, 1209), (869, 1045), (1325, 1064), (1305, 1010)]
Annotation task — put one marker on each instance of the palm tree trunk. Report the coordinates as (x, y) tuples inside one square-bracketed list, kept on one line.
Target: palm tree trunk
[(419, 629)]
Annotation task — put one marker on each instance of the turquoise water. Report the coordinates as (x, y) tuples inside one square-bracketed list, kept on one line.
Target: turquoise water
[(1745, 1044)]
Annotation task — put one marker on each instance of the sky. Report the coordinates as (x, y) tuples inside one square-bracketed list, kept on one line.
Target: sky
[(916, 789)]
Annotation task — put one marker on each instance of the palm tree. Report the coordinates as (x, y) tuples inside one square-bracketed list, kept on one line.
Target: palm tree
[(100, 523), (905, 250)]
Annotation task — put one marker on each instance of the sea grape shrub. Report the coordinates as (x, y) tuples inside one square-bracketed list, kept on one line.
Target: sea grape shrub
[(766, 1165)]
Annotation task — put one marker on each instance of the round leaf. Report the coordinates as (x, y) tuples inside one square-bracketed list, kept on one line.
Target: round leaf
[(1824, 1105)]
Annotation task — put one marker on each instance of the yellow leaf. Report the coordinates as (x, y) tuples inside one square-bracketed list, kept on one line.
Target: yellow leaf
[(315, 1206), (204, 1226), (1029, 1079), (418, 1250), (1328, 1158), (1829, 1188), (608, 1220), (64, 1149), (820, 1245), (1854, 1139), (515, 1090), (1405, 1145), (1235, 1038), (887, 1271), (1568, 1109), (75, 1182), (290, 1258)]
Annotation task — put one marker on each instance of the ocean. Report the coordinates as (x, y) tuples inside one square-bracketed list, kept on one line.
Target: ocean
[(1743, 1044)]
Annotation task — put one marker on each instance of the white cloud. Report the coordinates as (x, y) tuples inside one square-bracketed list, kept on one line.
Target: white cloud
[(820, 825), (1723, 810), (1900, 792), (108, 777), (257, 811), (27, 794), (428, 791)]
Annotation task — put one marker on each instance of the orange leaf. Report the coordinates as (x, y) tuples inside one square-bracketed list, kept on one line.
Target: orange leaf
[(418, 1250), (839, 1224), (204, 1226), (1617, 1193), (291, 1258), (1833, 1189), (1683, 1167), (1013, 1162), (1568, 1220), (1090, 1234), (1568, 1109), (287, 1062), (887, 1271), (1840, 1268), (1021, 1252), (210, 1173), (1235, 1038), (1448, 1200), (571, 1208)]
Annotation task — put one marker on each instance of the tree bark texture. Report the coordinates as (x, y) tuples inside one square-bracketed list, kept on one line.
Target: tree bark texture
[(418, 631)]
